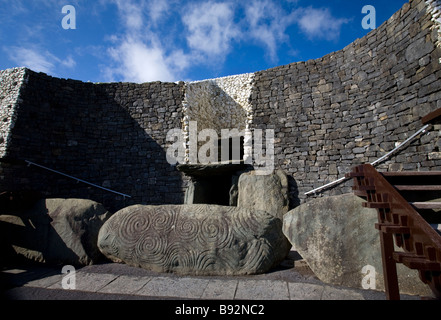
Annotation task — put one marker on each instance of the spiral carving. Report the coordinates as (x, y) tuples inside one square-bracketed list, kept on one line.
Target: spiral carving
[(215, 231), (192, 239), (150, 248), (164, 220), (187, 229), (131, 225)]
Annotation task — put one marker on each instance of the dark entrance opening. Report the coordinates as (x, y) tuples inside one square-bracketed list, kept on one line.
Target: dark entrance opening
[(215, 183)]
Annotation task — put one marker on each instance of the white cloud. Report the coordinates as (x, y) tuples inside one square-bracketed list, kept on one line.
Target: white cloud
[(211, 28), (69, 62), (131, 13), (320, 24), (139, 55), (40, 61), (138, 62), (32, 59), (150, 47), (267, 23), (157, 9)]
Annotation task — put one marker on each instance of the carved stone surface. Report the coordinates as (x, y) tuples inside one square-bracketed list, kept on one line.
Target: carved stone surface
[(54, 231), (264, 192), (194, 239), (337, 238)]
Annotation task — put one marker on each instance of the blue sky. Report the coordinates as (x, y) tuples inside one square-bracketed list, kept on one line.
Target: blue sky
[(170, 40)]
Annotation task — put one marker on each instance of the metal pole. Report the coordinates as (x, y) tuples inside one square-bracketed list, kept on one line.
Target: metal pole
[(74, 178), (387, 155)]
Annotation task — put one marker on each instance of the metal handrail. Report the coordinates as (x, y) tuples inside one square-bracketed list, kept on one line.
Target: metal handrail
[(77, 179), (387, 155)]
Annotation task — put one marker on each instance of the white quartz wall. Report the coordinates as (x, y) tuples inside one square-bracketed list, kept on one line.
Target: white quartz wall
[(10, 84), (222, 103)]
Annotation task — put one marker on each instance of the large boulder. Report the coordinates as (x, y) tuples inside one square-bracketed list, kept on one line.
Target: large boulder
[(337, 238), (194, 239), (264, 192), (55, 231)]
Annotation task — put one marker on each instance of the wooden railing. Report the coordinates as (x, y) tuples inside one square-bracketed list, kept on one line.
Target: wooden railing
[(404, 215)]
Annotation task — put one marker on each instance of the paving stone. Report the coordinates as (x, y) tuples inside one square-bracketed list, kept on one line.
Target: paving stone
[(220, 289), (262, 290), (91, 282), (21, 277), (191, 288), (126, 284), (345, 93), (305, 291), (331, 293), (46, 282)]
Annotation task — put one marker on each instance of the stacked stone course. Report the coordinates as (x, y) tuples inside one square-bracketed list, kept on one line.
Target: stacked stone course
[(330, 114), (112, 135), (355, 105)]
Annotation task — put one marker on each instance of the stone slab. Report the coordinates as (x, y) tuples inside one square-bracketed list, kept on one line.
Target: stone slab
[(262, 290), (331, 293), (190, 288), (46, 282), (220, 290), (90, 282), (202, 240), (126, 285), (305, 291)]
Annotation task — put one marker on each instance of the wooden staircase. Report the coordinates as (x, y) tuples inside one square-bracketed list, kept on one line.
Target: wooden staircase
[(406, 214)]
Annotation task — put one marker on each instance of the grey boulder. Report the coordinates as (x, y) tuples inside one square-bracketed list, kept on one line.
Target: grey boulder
[(336, 236), (264, 192), (55, 231), (194, 239)]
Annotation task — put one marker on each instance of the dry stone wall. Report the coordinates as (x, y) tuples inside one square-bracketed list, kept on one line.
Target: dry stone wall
[(328, 115), (355, 105), (11, 81), (112, 135), (218, 104)]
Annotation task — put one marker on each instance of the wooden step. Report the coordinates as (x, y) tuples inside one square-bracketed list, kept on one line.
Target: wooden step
[(376, 205), (364, 188), (418, 187), (360, 193), (433, 117), (413, 261), (386, 228), (354, 174), (426, 205), (388, 174)]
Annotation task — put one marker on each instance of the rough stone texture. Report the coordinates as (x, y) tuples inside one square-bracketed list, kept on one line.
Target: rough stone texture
[(194, 239), (337, 238), (353, 106), (264, 192), (111, 134), (329, 114), (221, 103), (55, 231), (11, 81)]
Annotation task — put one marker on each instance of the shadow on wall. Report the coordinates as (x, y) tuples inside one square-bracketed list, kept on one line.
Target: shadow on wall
[(210, 104), (24, 238), (95, 132), (294, 200), (53, 231)]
